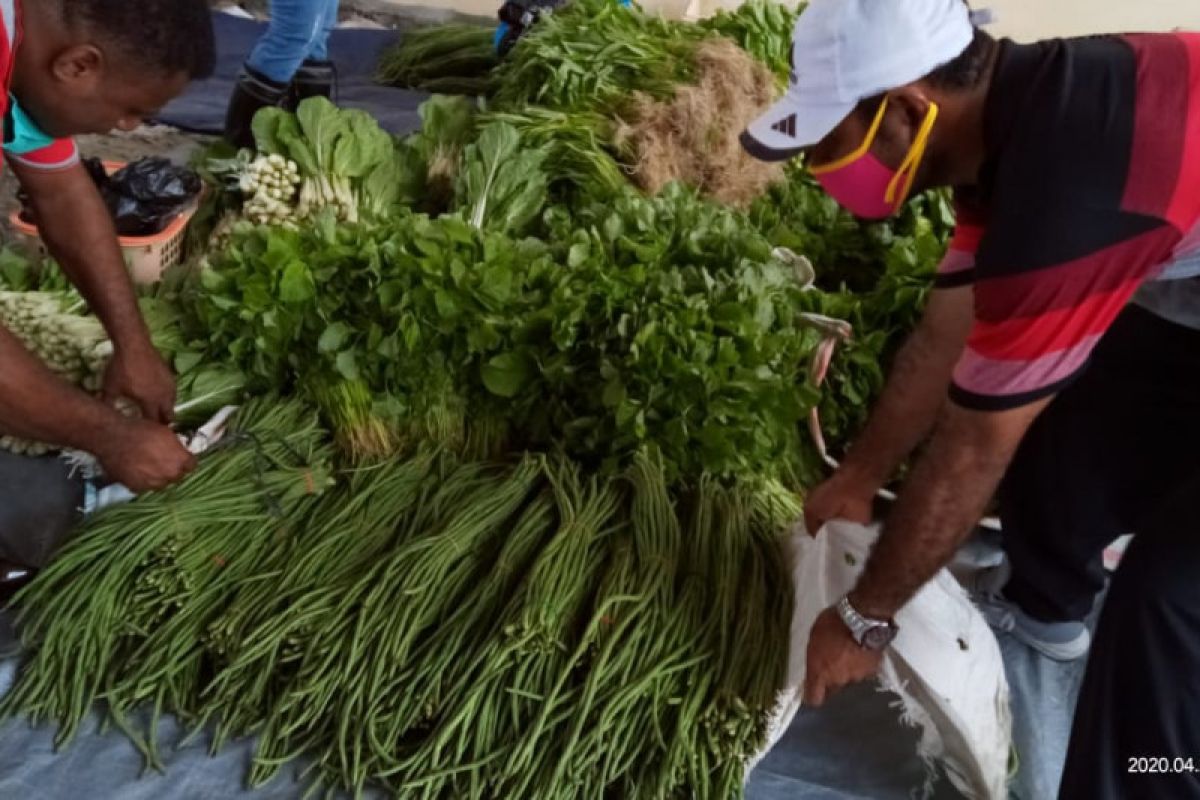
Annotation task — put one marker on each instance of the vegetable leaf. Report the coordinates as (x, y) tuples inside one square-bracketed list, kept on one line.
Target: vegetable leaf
[(502, 184), (507, 374)]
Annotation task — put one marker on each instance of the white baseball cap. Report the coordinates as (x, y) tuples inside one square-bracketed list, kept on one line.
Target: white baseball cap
[(844, 51)]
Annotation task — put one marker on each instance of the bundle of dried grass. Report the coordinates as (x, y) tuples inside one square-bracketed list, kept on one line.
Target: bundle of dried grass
[(693, 137)]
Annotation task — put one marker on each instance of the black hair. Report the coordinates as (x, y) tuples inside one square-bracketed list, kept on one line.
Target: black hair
[(170, 36), (961, 73), (968, 68)]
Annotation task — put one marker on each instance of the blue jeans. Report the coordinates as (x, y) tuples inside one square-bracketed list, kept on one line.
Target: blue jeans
[(299, 30)]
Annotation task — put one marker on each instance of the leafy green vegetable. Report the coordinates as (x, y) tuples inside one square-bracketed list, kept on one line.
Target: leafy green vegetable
[(592, 55), (348, 162), (664, 322), (361, 147), (580, 163), (502, 184), (763, 28), (430, 58), (875, 275), (19, 272)]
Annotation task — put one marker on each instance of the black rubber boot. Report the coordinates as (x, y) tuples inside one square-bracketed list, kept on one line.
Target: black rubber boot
[(13, 579), (253, 91), (312, 79)]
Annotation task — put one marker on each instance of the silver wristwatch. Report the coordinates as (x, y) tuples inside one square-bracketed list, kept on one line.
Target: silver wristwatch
[(873, 634)]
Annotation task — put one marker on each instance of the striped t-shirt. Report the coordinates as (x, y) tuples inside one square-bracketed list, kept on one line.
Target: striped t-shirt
[(1091, 187), (55, 153)]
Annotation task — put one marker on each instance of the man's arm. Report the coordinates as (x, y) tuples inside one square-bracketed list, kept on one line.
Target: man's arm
[(905, 412), (37, 404), (941, 501), (75, 224), (916, 387)]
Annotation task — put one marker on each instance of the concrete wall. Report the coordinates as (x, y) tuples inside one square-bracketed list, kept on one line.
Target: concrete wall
[(1021, 19), (1037, 19)]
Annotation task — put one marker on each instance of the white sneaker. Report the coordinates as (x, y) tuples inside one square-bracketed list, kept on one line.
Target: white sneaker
[(1060, 641)]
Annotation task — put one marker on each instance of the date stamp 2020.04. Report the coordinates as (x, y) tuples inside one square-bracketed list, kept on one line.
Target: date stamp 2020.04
[(1163, 765)]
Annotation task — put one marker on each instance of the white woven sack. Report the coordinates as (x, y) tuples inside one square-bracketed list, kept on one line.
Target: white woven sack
[(944, 666)]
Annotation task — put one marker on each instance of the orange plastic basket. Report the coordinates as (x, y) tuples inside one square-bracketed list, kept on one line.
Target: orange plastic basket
[(145, 256)]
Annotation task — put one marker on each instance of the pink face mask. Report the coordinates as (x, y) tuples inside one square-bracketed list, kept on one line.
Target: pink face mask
[(864, 185)]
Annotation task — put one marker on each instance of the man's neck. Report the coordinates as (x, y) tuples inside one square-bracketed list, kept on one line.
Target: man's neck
[(965, 145)]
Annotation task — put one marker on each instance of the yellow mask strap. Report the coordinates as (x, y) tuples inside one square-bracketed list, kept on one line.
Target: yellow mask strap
[(908, 168), (860, 151)]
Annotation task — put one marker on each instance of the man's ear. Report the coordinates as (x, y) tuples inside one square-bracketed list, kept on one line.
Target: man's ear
[(907, 107), (79, 65)]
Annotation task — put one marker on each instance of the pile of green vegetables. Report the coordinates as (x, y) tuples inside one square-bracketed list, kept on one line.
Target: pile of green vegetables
[(434, 626), (584, 52), (502, 514), (659, 321), (573, 83), (523, 320)]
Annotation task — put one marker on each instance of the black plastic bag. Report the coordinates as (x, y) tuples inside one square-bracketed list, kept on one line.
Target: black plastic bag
[(94, 167), (142, 197), (146, 195)]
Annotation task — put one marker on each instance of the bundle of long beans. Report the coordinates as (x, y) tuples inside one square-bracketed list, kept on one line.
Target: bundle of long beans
[(427, 625), (118, 615)]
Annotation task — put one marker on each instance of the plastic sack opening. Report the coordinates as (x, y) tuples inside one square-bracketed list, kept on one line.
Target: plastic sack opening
[(142, 197)]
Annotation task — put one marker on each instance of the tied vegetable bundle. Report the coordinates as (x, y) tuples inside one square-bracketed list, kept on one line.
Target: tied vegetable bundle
[(320, 159), (121, 612), (446, 59), (426, 625), (672, 97)]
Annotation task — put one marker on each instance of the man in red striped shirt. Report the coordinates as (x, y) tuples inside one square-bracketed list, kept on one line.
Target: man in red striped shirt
[(1076, 167), (89, 66)]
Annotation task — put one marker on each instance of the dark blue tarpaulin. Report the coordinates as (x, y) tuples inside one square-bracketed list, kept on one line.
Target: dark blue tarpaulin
[(355, 51)]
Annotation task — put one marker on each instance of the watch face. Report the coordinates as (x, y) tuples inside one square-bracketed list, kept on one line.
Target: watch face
[(878, 637)]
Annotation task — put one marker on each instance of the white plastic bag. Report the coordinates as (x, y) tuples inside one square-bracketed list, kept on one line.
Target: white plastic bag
[(944, 666), (95, 498)]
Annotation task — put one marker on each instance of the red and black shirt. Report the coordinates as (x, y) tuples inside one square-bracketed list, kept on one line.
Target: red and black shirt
[(59, 153), (1091, 187)]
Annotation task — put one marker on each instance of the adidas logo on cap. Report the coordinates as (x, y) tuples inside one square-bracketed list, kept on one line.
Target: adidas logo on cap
[(786, 126)]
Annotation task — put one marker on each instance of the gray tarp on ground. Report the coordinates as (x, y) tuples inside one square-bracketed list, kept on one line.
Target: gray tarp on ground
[(853, 749)]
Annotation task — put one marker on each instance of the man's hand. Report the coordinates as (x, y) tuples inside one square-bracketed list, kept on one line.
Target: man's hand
[(78, 230), (835, 660), (143, 455), (139, 374), (844, 495)]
